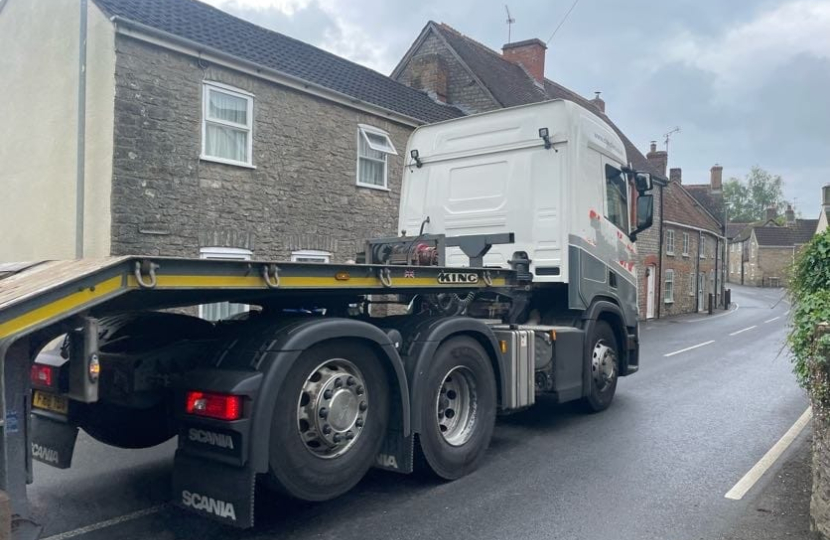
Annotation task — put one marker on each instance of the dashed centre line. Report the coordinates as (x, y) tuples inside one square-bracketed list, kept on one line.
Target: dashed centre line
[(773, 319), (690, 348), (744, 330)]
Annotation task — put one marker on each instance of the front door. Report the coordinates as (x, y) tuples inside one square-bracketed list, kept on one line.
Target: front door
[(651, 271), (701, 291)]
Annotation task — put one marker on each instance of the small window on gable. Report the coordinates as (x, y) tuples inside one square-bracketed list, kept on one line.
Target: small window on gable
[(311, 255), (373, 148), (616, 198), (227, 125)]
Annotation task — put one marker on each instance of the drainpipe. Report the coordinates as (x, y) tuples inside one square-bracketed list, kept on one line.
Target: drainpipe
[(81, 134), (697, 272), (659, 279)]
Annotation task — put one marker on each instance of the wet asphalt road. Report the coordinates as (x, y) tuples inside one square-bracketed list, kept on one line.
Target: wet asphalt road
[(656, 465)]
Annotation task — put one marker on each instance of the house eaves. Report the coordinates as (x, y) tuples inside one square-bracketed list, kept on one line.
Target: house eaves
[(182, 45)]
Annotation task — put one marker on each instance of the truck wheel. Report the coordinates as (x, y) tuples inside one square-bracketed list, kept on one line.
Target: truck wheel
[(603, 351), (329, 421), (458, 410)]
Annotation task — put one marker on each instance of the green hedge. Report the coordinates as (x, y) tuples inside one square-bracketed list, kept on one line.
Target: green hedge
[(809, 290)]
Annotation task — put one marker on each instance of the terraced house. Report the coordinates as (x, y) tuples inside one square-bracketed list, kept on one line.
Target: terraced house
[(168, 127)]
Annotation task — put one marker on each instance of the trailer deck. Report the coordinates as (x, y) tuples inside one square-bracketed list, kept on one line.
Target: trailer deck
[(41, 300)]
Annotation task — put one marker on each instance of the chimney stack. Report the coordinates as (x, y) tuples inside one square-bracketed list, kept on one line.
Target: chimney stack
[(716, 178), (790, 213), (659, 159), (598, 102), (429, 73), (675, 175), (530, 54), (772, 213), (825, 198)]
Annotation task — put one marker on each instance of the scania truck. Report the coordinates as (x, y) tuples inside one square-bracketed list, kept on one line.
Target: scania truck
[(513, 275)]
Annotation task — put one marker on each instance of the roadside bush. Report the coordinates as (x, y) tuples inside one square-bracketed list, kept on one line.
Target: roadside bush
[(809, 290)]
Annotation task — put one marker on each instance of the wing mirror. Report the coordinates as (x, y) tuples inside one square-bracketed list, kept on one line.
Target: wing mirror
[(642, 181), (645, 214)]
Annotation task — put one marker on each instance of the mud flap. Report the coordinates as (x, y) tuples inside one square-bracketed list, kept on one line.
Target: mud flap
[(220, 492), (396, 454), (53, 442)]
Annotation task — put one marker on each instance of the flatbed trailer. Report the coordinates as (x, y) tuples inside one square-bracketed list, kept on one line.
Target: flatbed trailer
[(43, 300)]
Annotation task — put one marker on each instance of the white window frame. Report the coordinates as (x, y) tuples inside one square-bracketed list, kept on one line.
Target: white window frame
[(686, 243), (669, 242), (691, 285), (311, 255), (362, 130), (223, 254), (211, 86), (702, 247), (668, 287)]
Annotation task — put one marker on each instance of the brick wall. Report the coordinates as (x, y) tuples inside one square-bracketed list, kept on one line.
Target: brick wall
[(301, 195), (648, 249), (685, 292), (462, 90)]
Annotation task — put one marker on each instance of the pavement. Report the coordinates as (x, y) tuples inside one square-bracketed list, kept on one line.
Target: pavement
[(713, 396)]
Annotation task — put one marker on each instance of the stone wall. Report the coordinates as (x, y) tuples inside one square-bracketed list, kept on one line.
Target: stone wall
[(302, 193), (462, 90)]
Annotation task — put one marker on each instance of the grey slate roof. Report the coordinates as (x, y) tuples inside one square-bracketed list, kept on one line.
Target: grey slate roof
[(712, 202), (511, 85), (733, 229), (787, 235), (210, 27)]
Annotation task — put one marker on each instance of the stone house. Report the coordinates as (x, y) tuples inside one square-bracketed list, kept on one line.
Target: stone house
[(762, 254), (168, 127), (460, 71), (693, 251)]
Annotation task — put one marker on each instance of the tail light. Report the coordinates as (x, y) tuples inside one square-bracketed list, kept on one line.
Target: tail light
[(42, 375), (219, 406)]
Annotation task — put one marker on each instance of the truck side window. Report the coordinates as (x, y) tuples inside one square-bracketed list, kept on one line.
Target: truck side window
[(616, 196)]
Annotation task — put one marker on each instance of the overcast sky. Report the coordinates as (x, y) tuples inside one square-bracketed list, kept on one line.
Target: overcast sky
[(747, 82)]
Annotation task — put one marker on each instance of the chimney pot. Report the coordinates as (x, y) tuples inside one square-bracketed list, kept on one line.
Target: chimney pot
[(716, 178), (653, 146), (676, 175), (530, 54), (825, 197)]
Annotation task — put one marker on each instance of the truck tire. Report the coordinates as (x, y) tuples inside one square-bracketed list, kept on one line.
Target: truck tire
[(603, 354), (329, 421), (458, 410)]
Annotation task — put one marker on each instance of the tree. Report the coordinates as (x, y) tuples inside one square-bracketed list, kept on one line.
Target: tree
[(748, 200)]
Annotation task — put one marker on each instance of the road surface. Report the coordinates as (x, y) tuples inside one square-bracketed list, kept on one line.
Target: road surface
[(713, 396)]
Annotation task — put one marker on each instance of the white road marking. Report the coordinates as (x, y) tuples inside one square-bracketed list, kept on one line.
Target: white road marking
[(710, 317), (107, 523), (755, 473), (744, 330), (773, 319), (690, 348)]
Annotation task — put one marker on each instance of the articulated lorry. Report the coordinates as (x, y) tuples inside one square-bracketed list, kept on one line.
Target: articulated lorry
[(513, 276)]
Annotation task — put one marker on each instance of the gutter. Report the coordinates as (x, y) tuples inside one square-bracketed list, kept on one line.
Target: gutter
[(189, 47)]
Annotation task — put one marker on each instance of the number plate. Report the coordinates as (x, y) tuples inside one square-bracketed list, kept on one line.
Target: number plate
[(50, 402)]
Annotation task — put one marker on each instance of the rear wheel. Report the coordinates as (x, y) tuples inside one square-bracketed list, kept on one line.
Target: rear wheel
[(458, 410), (603, 352), (329, 421)]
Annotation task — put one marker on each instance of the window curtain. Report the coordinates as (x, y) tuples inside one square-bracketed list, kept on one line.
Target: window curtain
[(225, 142), (228, 108), (371, 164)]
